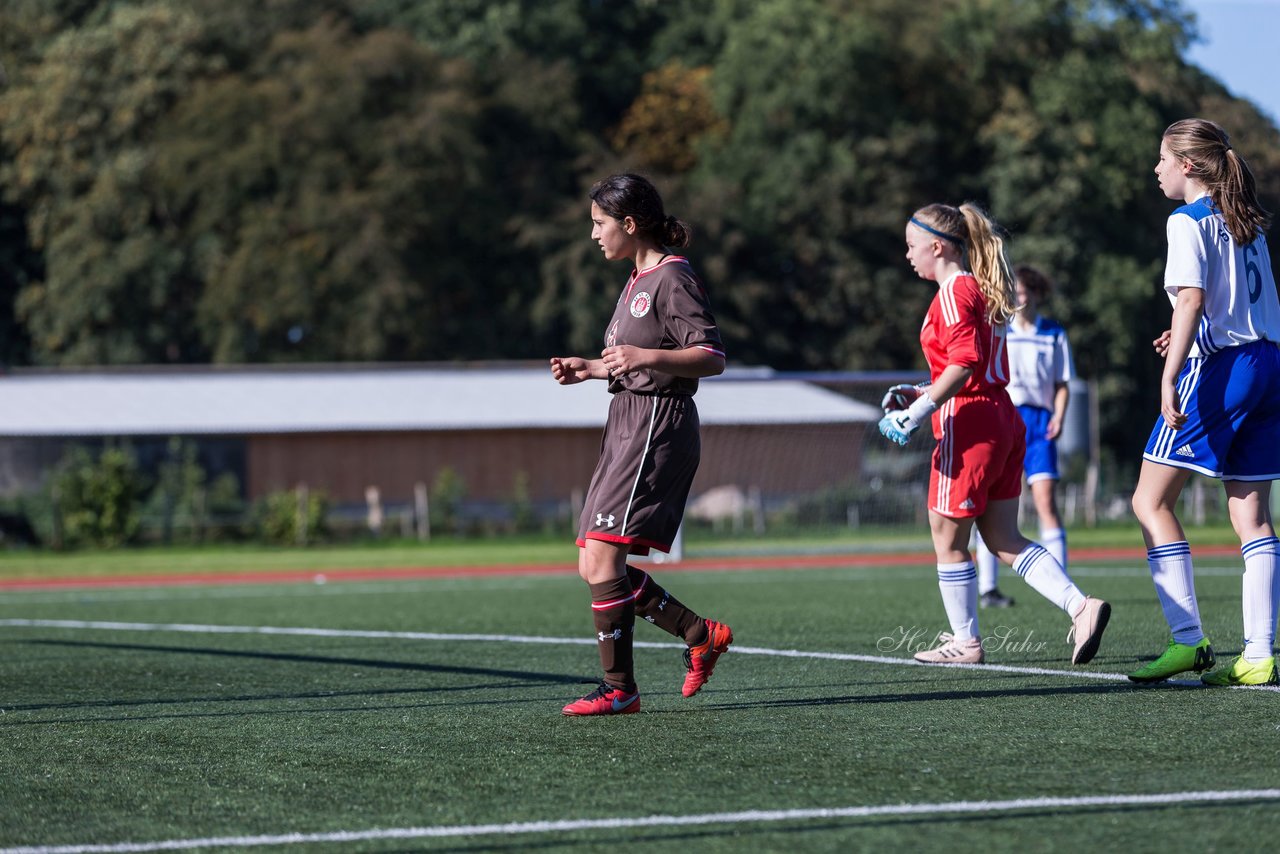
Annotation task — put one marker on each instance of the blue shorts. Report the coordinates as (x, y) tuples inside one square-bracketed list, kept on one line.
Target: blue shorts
[(1232, 402), (1041, 462)]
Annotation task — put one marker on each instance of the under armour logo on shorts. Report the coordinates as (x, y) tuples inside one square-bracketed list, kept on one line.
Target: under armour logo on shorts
[(603, 521)]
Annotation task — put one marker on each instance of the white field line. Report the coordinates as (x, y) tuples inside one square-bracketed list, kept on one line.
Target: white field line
[(196, 628), (567, 826), (620, 823)]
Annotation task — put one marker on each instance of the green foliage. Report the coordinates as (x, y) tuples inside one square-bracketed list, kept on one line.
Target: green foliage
[(446, 495), (287, 518), (604, 44), (80, 124), (523, 514), (804, 197), (184, 505), (405, 179), (846, 117), (26, 520), (352, 134), (19, 265), (669, 119), (95, 501), (316, 193)]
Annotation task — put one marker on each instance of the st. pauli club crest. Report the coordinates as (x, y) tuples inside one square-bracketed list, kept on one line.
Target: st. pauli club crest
[(640, 304)]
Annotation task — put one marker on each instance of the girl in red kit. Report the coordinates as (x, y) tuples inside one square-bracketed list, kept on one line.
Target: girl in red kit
[(976, 472), (661, 339)]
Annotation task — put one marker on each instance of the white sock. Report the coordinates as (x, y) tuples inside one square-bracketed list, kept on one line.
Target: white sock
[(1047, 577), (1055, 541), (1261, 597), (1171, 571), (959, 585), (988, 566)]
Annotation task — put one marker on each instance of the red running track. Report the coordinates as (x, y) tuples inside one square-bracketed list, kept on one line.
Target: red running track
[(1137, 556)]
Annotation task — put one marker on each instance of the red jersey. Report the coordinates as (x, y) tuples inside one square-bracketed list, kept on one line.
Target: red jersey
[(956, 332), (980, 447)]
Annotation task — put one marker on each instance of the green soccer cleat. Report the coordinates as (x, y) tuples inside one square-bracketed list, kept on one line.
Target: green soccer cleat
[(1178, 658), (1243, 672)]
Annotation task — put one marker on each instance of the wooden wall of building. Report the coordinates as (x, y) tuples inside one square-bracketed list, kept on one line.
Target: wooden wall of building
[(777, 459), (344, 464)]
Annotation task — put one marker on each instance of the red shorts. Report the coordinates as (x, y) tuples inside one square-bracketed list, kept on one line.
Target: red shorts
[(981, 443)]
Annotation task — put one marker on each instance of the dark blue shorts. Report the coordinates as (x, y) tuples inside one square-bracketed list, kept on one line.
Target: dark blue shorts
[(1041, 462), (1232, 402)]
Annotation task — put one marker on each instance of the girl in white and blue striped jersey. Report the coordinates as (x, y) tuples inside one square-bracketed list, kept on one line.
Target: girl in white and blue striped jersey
[(1040, 370), (1219, 398)]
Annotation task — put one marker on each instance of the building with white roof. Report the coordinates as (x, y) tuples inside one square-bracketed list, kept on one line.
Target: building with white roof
[(342, 429)]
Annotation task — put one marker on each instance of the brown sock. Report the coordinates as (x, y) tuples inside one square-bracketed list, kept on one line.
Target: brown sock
[(664, 610), (613, 607)]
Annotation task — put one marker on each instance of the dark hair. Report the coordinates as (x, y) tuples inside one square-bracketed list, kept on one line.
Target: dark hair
[(628, 195), (1223, 172), (1037, 284)]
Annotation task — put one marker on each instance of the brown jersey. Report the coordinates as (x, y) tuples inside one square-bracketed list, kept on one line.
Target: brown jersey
[(663, 307)]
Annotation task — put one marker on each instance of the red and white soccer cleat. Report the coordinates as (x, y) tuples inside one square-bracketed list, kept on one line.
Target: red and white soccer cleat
[(605, 700), (701, 659)]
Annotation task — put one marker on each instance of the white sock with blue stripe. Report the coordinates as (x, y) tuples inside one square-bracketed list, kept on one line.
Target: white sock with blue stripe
[(959, 585), (1260, 597), (988, 567), (1171, 571), (1047, 577), (1055, 540)]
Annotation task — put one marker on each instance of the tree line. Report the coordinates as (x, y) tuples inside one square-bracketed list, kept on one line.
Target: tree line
[(195, 181)]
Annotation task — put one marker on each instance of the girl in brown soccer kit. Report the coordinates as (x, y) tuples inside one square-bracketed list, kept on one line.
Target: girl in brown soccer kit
[(660, 340)]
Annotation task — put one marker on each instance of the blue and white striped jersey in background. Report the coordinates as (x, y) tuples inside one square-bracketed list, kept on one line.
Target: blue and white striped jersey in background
[(1039, 359), (1202, 254)]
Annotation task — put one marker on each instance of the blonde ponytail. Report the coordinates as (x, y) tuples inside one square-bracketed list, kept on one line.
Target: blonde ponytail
[(990, 265), (970, 228)]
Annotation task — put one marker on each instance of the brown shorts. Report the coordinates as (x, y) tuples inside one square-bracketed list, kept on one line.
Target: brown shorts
[(648, 457)]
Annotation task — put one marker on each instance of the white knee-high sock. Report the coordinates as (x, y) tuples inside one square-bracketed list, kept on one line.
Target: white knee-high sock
[(1260, 597), (958, 583), (988, 567), (1047, 577), (1055, 541), (1175, 585)]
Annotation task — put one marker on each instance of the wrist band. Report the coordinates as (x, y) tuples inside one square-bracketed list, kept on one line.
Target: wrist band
[(921, 408)]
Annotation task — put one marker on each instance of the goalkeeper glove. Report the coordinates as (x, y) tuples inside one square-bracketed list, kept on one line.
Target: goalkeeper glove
[(898, 426), (901, 396)]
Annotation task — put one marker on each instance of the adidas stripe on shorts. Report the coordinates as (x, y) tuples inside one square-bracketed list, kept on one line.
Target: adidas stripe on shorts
[(978, 458), (1232, 402)]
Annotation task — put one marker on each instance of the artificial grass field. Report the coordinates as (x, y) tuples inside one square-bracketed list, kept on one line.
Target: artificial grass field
[(172, 736)]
